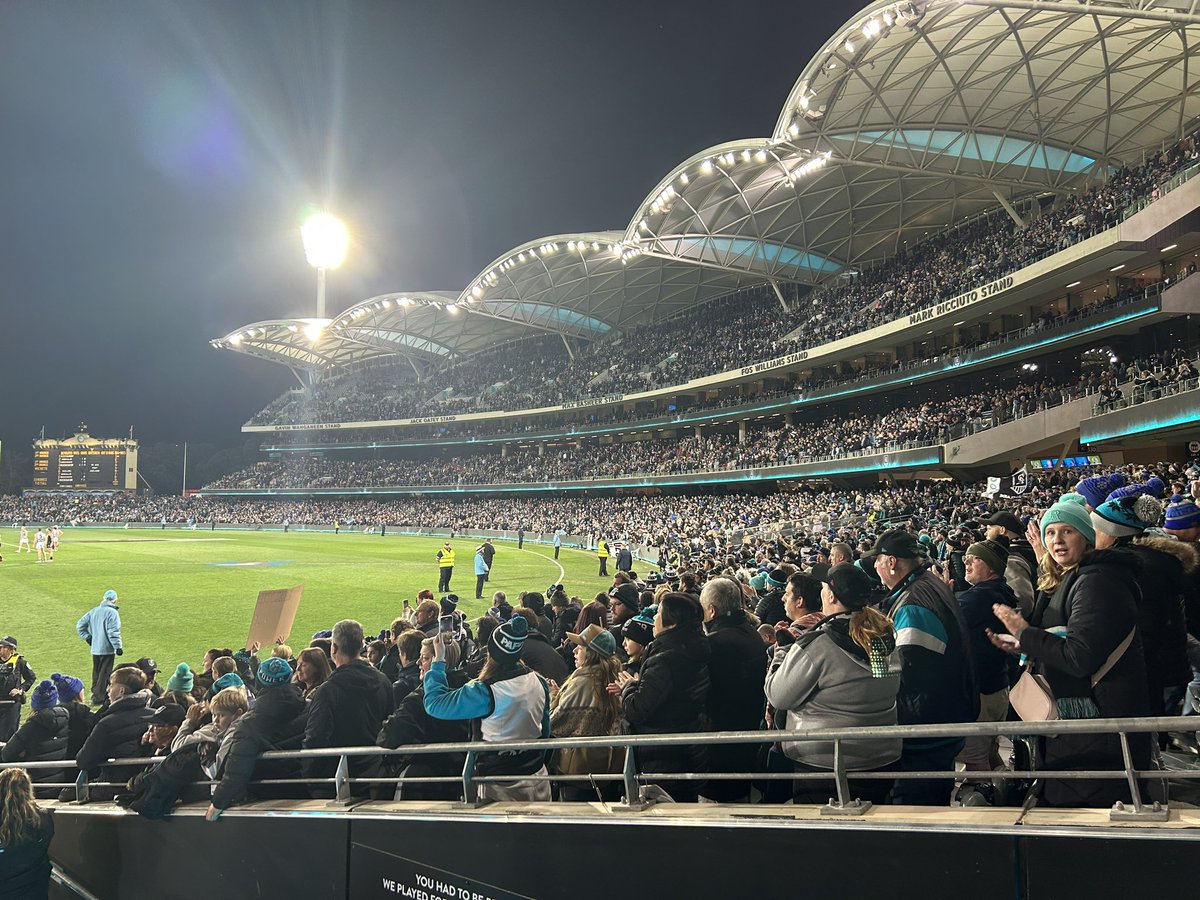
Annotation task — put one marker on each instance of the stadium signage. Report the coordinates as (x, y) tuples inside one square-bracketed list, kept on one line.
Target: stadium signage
[(431, 420), (991, 289), (799, 356), (594, 401)]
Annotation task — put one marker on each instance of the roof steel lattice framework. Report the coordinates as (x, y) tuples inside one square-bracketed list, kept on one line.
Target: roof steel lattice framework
[(912, 116)]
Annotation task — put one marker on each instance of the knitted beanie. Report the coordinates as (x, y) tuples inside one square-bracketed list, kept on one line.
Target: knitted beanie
[(1071, 509), (1183, 515), (274, 671), (229, 679), (1095, 490), (1155, 486), (44, 696), (639, 629), (1127, 516), (181, 680), (508, 640), (993, 553), (1130, 490), (449, 604), (69, 687)]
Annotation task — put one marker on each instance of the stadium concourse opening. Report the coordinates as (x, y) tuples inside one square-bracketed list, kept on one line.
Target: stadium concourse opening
[(846, 498)]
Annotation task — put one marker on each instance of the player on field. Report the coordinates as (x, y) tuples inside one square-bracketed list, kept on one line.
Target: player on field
[(39, 544), (24, 541)]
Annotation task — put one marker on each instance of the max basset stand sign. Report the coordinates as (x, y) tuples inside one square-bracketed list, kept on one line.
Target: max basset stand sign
[(382, 874)]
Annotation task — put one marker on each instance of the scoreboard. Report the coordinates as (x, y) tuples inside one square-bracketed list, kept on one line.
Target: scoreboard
[(85, 463)]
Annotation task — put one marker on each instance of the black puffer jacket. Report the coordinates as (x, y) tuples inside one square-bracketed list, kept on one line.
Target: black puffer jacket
[(1165, 580), (117, 735), (1073, 632), (671, 695), (737, 668), (42, 737), (266, 727), (770, 608)]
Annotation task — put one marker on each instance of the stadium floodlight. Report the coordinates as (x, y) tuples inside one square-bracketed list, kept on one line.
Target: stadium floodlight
[(325, 240)]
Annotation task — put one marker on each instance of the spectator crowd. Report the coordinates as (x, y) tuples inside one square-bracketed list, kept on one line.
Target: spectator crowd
[(540, 372), (914, 604)]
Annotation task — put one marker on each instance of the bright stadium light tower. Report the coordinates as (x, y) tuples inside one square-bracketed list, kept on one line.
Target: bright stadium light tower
[(325, 241)]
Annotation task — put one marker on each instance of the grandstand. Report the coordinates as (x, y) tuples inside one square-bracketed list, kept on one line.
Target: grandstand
[(968, 246), (879, 250)]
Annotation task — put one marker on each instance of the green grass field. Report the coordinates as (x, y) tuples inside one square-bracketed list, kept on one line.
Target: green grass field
[(182, 592)]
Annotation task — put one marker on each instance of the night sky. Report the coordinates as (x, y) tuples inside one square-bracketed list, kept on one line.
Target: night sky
[(156, 159)]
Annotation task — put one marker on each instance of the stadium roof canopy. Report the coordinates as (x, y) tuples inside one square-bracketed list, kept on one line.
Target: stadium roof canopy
[(912, 116)]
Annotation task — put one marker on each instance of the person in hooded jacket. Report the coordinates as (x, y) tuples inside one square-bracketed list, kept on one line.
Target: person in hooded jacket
[(843, 672), (736, 669), (411, 724), (118, 732), (269, 726), (1165, 579), (42, 737), (83, 720), (670, 693), (1085, 619)]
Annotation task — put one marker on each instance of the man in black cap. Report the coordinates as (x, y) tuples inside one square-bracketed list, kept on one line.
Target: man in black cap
[(1021, 570), (937, 678), (150, 669)]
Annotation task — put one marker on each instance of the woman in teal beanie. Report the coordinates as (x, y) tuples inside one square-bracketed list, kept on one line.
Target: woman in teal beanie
[(1085, 615)]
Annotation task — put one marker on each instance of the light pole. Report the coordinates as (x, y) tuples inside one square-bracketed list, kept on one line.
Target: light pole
[(325, 241)]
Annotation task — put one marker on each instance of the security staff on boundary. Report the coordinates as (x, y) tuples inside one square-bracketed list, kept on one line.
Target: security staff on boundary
[(602, 555), (445, 558)]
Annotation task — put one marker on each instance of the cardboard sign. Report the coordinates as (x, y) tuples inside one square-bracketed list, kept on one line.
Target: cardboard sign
[(274, 614)]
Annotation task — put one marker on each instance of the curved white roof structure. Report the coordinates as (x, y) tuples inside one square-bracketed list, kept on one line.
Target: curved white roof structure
[(912, 116)]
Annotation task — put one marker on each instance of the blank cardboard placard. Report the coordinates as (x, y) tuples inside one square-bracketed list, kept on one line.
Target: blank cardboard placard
[(274, 614)]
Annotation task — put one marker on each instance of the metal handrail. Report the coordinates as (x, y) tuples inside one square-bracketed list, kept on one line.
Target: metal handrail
[(631, 778)]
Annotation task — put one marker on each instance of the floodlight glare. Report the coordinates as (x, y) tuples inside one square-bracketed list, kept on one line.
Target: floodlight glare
[(325, 241)]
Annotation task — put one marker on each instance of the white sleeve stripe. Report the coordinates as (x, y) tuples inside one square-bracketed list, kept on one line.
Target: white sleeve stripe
[(915, 637)]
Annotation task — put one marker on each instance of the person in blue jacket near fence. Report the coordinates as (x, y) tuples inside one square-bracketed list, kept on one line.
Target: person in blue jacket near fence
[(101, 628)]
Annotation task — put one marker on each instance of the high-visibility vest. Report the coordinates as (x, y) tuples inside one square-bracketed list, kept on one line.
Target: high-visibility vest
[(602, 549), (445, 558)]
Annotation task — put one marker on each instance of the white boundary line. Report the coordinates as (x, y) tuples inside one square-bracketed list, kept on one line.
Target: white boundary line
[(562, 573)]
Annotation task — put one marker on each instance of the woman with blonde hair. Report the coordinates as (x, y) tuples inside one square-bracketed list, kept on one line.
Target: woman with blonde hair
[(583, 707), (312, 670), (842, 673), (25, 833)]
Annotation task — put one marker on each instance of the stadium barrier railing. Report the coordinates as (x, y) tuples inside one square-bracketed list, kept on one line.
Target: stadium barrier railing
[(1136, 809)]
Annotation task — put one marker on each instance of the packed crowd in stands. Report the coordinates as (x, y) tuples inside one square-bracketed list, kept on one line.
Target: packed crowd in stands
[(814, 436), (538, 373), (810, 388), (833, 625)]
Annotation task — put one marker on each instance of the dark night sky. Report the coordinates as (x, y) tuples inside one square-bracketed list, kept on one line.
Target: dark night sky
[(156, 158)]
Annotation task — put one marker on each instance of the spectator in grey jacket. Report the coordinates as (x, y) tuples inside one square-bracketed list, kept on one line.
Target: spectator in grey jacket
[(842, 673)]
